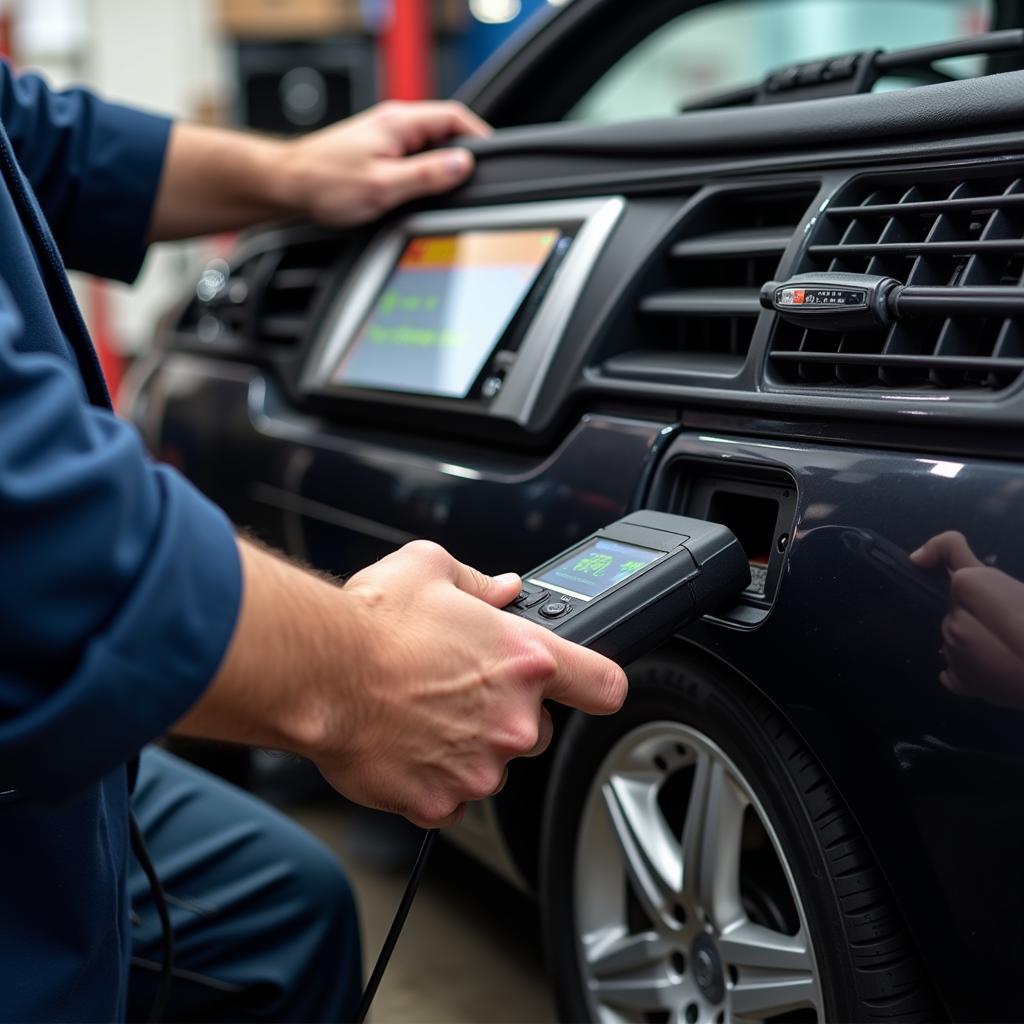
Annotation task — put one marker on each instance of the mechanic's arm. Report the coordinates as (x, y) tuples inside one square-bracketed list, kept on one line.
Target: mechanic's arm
[(125, 593), (407, 687), (105, 173), (215, 179), (93, 166), (120, 588)]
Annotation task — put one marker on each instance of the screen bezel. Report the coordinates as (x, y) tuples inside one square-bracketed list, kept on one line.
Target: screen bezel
[(557, 249), (536, 578), (590, 222)]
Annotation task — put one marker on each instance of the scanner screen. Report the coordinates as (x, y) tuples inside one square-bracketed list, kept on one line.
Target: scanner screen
[(596, 567)]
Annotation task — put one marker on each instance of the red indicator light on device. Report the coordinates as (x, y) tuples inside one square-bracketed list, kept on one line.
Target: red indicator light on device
[(798, 296)]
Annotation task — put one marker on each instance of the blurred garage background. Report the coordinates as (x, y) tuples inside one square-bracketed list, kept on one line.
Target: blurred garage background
[(470, 952)]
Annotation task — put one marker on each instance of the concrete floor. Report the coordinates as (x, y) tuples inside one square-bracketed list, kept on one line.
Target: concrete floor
[(470, 951)]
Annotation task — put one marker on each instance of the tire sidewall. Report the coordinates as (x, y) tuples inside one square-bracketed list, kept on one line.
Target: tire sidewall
[(686, 690)]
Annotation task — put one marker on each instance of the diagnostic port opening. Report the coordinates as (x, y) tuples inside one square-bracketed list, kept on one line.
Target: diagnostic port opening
[(757, 503), (753, 518)]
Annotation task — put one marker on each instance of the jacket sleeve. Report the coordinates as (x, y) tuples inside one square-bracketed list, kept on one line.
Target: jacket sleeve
[(119, 589), (94, 166)]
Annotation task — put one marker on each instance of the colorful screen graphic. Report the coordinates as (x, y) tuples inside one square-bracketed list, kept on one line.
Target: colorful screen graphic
[(443, 309), (591, 570)]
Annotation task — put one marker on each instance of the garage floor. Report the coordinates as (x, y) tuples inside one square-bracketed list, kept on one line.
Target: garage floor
[(470, 951)]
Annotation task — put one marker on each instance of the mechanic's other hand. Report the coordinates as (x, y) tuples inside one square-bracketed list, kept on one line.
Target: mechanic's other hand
[(358, 169), (983, 631), (446, 688)]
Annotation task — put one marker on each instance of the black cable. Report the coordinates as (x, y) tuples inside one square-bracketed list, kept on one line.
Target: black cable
[(156, 1011), (396, 925)]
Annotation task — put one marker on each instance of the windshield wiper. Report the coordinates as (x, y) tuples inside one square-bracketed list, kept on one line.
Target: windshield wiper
[(850, 73)]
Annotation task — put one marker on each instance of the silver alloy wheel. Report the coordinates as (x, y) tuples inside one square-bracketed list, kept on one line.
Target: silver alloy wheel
[(698, 956)]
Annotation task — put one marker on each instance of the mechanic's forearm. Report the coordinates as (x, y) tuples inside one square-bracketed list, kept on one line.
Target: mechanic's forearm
[(345, 174), (215, 179), (283, 675)]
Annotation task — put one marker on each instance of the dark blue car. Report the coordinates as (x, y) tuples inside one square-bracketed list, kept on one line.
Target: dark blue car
[(812, 805)]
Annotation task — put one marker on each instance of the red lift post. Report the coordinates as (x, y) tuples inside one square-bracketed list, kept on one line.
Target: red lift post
[(406, 51), (100, 322), (6, 48)]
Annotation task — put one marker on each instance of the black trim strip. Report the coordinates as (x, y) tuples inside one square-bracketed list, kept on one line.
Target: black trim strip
[(993, 363), (942, 110)]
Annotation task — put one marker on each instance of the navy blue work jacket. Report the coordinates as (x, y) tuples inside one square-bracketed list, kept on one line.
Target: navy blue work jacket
[(119, 583)]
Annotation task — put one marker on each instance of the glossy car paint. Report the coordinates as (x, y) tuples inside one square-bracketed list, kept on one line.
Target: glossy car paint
[(850, 650), (342, 498)]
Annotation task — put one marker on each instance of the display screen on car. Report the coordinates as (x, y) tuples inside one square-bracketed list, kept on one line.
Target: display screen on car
[(443, 309), (591, 570)]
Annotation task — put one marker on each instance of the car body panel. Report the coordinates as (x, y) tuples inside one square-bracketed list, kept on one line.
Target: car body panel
[(343, 498), (851, 653)]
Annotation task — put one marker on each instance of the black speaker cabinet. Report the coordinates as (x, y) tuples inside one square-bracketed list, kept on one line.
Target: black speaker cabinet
[(296, 86)]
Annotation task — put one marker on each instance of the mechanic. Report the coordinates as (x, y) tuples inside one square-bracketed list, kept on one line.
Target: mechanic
[(130, 608)]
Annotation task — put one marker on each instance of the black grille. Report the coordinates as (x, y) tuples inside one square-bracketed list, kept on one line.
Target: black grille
[(698, 303), (285, 302), (946, 233), (267, 296)]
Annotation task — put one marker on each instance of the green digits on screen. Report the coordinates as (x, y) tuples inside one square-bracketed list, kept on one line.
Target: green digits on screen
[(593, 564), (393, 302)]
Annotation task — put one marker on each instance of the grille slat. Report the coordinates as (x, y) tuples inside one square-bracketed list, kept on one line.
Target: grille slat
[(941, 362), (961, 240), (286, 303), (964, 247), (706, 301), (766, 241), (697, 303), (932, 206)]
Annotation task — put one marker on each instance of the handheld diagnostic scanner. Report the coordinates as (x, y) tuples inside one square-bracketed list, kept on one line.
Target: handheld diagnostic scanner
[(620, 592), (631, 585)]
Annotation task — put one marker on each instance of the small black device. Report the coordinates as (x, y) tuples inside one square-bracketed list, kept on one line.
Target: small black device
[(620, 592), (631, 585), (833, 301), (862, 302)]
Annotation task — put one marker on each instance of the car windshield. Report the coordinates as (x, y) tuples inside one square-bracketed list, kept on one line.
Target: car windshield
[(721, 46)]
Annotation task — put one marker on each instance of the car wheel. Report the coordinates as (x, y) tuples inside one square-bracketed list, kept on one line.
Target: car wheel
[(698, 865)]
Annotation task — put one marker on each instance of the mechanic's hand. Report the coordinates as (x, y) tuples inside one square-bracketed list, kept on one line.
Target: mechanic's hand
[(983, 631), (358, 169), (448, 689)]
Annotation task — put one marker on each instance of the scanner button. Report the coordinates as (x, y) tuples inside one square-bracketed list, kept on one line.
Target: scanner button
[(554, 609), (532, 597)]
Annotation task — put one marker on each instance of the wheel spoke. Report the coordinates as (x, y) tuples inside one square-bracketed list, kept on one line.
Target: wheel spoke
[(711, 840), (751, 945), (693, 825), (640, 993), (776, 971), (621, 954), (766, 996), (652, 855)]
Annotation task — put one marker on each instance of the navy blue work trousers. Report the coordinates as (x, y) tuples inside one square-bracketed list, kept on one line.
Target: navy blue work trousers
[(264, 920)]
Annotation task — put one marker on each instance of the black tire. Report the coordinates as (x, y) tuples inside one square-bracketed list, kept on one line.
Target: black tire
[(866, 964)]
